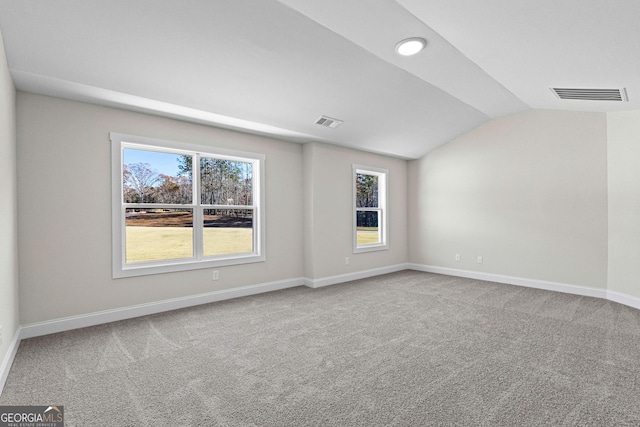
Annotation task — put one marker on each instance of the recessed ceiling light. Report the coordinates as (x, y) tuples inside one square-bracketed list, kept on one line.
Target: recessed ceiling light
[(410, 46)]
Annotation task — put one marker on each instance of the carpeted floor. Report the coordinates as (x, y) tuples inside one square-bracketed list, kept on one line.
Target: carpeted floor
[(407, 348)]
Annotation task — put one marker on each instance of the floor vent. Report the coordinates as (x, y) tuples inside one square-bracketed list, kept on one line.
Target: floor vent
[(328, 122), (591, 94)]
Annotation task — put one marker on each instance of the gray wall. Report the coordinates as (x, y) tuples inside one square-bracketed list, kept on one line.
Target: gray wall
[(527, 192), (65, 224), (624, 202), (65, 233), (9, 319), (536, 194), (329, 211)]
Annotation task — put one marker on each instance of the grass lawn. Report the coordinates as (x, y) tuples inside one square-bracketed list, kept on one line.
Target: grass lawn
[(158, 243), (367, 235)]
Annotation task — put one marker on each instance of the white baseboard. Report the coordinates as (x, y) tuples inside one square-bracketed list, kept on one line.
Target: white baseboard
[(518, 281), (5, 367), (624, 299), (100, 317), (341, 278)]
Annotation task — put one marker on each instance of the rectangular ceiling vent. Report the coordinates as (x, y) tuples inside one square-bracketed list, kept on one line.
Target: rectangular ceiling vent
[(328, 122), (591, 94)]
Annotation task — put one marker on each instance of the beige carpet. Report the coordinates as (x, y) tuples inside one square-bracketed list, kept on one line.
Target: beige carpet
[(407, 348)]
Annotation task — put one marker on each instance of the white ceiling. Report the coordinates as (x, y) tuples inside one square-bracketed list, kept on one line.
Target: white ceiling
[(274, 67)]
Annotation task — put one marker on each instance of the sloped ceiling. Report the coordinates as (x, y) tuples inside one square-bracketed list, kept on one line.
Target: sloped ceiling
[(273, 67)]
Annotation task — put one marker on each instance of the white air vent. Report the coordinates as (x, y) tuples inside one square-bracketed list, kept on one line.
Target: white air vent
[(328, 122), (591, 94)]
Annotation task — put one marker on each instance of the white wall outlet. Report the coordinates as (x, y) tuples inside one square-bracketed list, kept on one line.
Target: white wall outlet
[(215, 275), (458, 258), (480, 260), (346, 261)]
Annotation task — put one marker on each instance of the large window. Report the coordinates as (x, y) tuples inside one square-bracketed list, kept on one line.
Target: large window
[(370, 209), (179, 207)]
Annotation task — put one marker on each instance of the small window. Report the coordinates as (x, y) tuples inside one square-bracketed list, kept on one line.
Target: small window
[(170, 216), (370, 209)]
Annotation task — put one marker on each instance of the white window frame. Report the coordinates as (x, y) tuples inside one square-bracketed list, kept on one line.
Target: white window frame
[(383, 223), (120, 267)]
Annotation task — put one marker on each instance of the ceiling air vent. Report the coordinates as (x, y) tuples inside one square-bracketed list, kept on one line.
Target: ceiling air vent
[(591, 94), (328, 122)]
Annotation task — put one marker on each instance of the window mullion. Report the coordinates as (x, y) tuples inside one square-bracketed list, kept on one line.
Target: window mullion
[(198, 214), (157, 206)]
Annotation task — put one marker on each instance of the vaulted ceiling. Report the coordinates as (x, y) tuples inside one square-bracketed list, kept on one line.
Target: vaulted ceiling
[(274, 67)]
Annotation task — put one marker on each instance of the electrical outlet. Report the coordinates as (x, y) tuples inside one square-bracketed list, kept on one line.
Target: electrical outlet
[(346, 261), (215, 275), (458, 258), (480, 260)]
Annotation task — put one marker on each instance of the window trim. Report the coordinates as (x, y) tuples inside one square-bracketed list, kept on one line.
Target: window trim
[(383, 208), (119, 266)]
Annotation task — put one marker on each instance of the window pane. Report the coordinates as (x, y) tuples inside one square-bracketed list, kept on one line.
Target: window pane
[(155, 177), (157, 234), (367, 227), (366, 191), (228, 231), (226, 182)]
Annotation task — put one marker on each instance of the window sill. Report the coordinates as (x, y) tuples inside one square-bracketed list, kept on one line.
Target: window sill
[(161, 267), (370, 248)]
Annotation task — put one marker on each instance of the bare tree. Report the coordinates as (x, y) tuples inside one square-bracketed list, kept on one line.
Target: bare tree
[(130, 195), (173, 189), (140, 178)]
